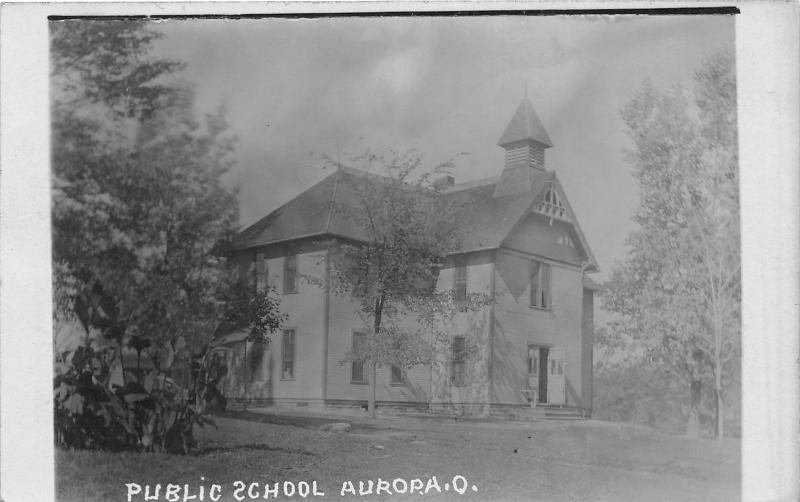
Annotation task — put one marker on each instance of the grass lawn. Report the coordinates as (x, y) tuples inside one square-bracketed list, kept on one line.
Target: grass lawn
[(577, 460)]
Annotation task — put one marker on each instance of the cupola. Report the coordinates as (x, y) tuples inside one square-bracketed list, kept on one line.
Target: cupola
[(524, 140)]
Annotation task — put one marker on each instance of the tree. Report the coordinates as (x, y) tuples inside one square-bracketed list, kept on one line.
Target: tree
[(679, 288), (392, 274), (141, 214)]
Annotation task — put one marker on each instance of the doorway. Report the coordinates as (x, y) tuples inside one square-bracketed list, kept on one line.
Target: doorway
[(537, 371)]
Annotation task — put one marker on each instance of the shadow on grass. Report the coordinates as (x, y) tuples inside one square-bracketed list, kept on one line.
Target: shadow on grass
[(298, 421), (208, 450)]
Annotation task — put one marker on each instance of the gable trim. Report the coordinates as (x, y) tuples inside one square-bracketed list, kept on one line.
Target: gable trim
[(543, 259), (582, 238), (553, 181)]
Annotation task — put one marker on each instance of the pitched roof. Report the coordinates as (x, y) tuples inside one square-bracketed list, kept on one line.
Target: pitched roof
[(525, 124), (317, 211), (485, 220), (482, 219)]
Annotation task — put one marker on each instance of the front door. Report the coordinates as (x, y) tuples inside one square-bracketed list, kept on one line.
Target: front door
[(555, 370), (543, 355)]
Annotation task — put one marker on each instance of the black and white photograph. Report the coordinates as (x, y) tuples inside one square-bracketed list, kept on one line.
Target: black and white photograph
[(437, 255)]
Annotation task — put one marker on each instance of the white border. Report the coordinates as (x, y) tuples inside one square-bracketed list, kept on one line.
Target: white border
[(767, 61)]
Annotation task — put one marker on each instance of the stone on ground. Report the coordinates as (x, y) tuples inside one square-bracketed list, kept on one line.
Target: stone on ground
[(336, 427)]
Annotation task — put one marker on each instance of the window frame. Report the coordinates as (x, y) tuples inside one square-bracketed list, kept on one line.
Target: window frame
[(261, 266), (364, 378), (460, 279), (293, 354), (540, 295), (290, 270), (458, 359), (252, 352), (401, 381)]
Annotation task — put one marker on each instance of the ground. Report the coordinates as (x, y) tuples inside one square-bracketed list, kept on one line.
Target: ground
[(503, 460)]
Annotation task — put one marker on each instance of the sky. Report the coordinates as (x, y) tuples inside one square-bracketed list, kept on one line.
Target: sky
[(295, 90)]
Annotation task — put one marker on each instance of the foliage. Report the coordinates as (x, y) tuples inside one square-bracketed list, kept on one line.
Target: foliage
[(253, 310), (679, 288), (141, 220), (392, 274), (633, 384), (153, 416)]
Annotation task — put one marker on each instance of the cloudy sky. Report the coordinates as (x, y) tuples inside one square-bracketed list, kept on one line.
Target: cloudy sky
[(298, 89)]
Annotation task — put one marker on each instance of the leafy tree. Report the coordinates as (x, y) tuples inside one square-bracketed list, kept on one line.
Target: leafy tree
[(141, 215), (679, 288), (392, 274)]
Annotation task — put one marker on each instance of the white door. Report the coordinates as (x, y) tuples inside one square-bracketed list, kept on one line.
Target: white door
[(555, 377)]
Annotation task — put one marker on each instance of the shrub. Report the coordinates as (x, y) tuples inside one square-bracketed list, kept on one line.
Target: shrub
[(156, 415)]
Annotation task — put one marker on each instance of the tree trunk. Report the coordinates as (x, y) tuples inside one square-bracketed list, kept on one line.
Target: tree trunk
[(693, 422), (719, 412), (121, 362), (246, 395), (376, 329), (371, 400)]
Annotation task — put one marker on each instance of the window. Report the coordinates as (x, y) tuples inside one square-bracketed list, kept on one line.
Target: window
[(261, 272), (255, 354), (357, 374), (253, 280), (459, 361), (533, 361), (288, 354), (460, 281), (565, 240), (540, 285), (290, 273), (397, 375)]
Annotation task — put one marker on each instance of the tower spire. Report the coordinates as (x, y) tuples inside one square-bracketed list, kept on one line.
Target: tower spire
[(524, 140)]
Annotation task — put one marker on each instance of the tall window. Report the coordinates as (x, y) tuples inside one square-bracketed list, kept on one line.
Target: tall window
[(261, 272), (397, 375), (540, 285), (357, 374), (460, 281), (458, 374), (290, 273), (288, 354), (255, 354)]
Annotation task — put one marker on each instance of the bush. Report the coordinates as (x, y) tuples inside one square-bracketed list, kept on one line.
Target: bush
[(156, 415)]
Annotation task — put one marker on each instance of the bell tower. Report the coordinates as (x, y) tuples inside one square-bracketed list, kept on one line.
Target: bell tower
[(524, 140)]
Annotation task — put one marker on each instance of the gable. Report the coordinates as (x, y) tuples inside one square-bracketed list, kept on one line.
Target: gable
[(483, 220), (538, 235), (549, 228)]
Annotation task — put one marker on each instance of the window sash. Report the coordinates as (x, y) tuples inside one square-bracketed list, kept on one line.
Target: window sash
[(460, 282), (290, 273), (458, 375), (397, 374), (261, 272), (287, 354), (540, 285), (357, 374)]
